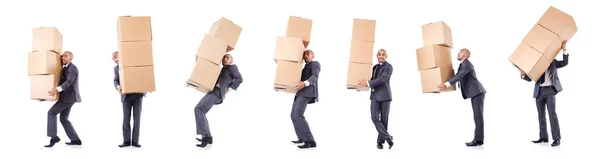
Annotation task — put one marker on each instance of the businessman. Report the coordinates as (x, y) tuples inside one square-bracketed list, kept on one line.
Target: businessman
[(131, 101), (229, 80), (68, 95), (381, 97), (308, 93), (470, 87), (544, 93)]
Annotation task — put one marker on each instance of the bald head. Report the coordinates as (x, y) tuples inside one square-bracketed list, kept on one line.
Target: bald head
[(115, 57), (464, 54), (66, 57), (227, 59), (308, 56)]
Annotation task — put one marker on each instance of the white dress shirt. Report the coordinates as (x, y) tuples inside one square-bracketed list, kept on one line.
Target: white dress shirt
[(59, 89)]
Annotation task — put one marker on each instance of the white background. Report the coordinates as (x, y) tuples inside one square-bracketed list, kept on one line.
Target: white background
[(255, 121)]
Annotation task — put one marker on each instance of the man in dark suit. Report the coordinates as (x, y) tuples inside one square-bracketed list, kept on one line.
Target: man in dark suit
[(470, 87), (308, 93), (69, 95), (130, 101), (544, 93), (229, 79), (381, 97)]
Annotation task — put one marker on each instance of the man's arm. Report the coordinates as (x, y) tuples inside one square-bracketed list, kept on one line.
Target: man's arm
[(462, 72), (385, 76), (564, 62), (73, 73), (116, 81), (237, 77), (315, 70)]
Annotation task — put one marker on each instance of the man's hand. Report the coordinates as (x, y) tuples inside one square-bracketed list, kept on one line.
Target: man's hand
[(300, 85), (120, 90), (564, 45), (522, 72), (442, 87), (52, 91), (362, 83)]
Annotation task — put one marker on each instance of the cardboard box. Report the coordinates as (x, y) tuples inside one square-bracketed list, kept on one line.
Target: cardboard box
[(134, 28), (212, 49), (437, 33), (532, 62), (204, 76), (299, 27), (559, 22), (363, 30), (289, 49), (40, 85), (137, 79), (361, 51), (227, 31), (47, 38), (135, 53), (287, 75), (43, 62), (431, 78), (432, 56), (544, 41), (357, 72)]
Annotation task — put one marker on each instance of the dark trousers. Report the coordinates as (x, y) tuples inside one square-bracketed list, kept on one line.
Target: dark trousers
[(300, 124), (546, 99), (205, 104), (379, 115), (132, 103), (477, 104), (63, 109)]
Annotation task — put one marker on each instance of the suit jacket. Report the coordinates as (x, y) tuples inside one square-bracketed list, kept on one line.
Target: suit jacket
[(469, 84), (230, 77), (117, 83), (554, 66), (69, 83), (310, 73), (380, 82)]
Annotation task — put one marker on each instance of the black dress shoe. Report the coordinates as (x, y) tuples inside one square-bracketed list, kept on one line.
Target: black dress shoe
[(205, 141), (379, 145), (299, 141), (555, 143), (390, 142), (474, 143), (136, 144), (541, 140), (308, 144), (53, 141), (74, 142), (125, 144)]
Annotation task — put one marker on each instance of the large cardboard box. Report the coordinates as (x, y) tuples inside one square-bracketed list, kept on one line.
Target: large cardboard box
[(137, 79), (212, 49), (43, 62), (287, 75), (40, 85), (204, 76), (299, 27), (135, 53), (361, 51), (47, 38), (559, 22), (432, 56), (357, 72), (289, 49), (363, 29), (227, 31), (437, 33), (544, 41), (431, 78), (532, 62), (134, 28)]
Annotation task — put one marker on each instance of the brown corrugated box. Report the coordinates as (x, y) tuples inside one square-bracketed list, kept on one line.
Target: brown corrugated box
[(136, 60), (204, 76), (559, 22), (431, 78), (134, 28), (44, 62), (363, 29), (227, 31), (289, 49), (299, 27), (437, 33), (212, 49), (357, 72), (135, 53), (433, 56), (41, 84), (361, 51), (532, 62), (287, 75), (47, 38), (137, 79)]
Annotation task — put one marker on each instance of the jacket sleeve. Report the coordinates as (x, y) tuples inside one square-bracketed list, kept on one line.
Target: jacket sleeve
[(462, 72), (385, 76), (116, 81), (237, 77), (564, 62), (315, 70), (73, 73)]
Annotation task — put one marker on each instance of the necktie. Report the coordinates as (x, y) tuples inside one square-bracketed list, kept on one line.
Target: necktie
[(375, 71), (543, 78)]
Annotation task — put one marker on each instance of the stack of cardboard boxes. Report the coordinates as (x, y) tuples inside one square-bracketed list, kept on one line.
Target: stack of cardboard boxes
[(361, 53), (434, 58), (221, 38), (136, 63), (44, 63), (543, 42), (289, 51)]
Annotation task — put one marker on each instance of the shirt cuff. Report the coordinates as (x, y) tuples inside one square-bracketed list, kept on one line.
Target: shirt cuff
[(447, 84), (230, 89), (118, 87), (306, 83), (59, 89), (565, 53)]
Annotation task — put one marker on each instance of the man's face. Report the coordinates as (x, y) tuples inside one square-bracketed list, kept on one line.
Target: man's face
[(115, 58), (461, 56), (66, 58), (308, 56), (227, 60), (381, 56)]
